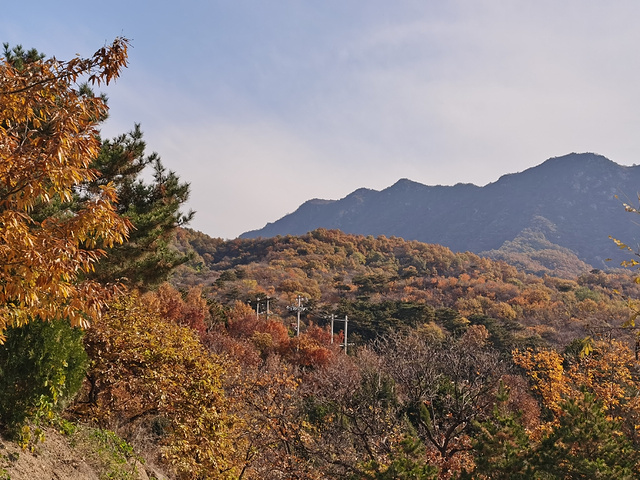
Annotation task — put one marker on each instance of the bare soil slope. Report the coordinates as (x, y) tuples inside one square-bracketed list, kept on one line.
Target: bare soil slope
[(79, 456)]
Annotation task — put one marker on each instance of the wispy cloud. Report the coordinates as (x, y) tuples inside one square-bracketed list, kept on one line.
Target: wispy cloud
[(263, 105)]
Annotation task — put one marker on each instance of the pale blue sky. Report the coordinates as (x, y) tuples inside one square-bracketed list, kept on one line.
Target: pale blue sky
[(263, 105)]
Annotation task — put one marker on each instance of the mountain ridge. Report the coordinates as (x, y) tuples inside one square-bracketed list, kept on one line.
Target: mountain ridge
[(575, 192)]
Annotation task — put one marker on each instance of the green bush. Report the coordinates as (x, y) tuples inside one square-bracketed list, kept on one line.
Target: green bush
[(42, 365)]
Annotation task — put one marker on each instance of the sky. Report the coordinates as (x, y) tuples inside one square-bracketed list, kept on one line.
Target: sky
[(261, 105)]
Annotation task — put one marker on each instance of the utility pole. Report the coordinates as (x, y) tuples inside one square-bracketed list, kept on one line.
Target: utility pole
[(266, 313), (299, 308), (346, 326), (332, 318)]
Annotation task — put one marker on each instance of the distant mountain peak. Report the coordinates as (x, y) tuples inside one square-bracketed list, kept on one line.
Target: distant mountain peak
[(361, 191), (404, 185), (577, 160), (405, 182), (565, 170), (581, 157)]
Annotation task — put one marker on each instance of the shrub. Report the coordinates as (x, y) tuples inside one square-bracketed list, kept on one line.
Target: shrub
[(42, 365)]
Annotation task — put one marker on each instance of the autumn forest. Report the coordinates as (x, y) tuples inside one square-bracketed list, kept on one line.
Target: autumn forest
[(320, 356)]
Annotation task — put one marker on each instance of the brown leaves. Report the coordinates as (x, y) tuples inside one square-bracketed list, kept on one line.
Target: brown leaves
[(104, 66)]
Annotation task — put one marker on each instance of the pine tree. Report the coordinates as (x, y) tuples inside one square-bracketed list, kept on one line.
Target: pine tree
[(586, 445), (146, 259), (18, 58), (408, 462)]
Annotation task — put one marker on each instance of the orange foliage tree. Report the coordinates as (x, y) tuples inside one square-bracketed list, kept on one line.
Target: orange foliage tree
[(48, 138), (149, 374), (605, 369), (190, 310)]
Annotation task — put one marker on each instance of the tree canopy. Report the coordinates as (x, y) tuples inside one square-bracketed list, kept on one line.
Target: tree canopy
[(48, 139)]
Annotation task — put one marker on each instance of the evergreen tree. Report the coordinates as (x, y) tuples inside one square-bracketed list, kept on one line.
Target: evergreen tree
[(18, 58), (407, 463), (153, 209), (146, 258), (586, 445)]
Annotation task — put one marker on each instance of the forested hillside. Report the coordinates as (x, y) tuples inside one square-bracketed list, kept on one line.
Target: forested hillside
[(158, 351), (386, 283)]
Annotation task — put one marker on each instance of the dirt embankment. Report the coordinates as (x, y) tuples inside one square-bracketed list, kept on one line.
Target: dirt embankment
[(86, 454)]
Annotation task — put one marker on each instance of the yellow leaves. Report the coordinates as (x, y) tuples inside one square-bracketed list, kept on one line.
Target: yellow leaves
[(587, 347), (48, 138), (621, 245), (605, 369), (148, 366), (545, 368)]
